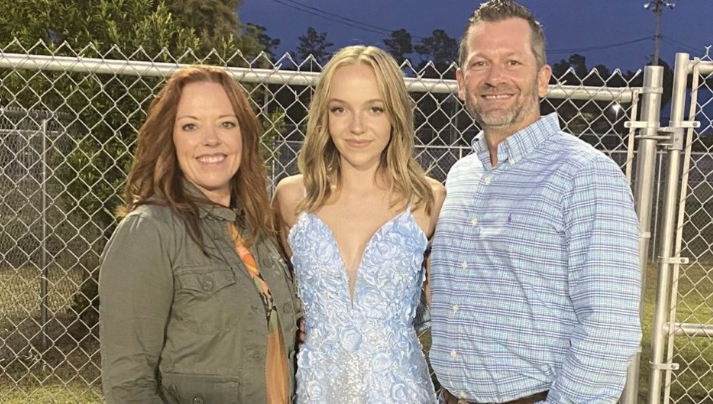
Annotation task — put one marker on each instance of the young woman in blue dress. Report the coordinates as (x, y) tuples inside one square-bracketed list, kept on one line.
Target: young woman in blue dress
[(356, 223)]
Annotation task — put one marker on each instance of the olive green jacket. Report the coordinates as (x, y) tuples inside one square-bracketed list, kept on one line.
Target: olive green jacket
[(179, 327)]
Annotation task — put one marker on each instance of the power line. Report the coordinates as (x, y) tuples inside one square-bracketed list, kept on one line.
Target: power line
[(317, 12), (598, 47), (388, 31), (681, 45), (327, 17), (337, 18)]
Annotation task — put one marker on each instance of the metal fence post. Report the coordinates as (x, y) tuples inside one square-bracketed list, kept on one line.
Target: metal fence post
[(643, 192), (663, 289), (44, 262)]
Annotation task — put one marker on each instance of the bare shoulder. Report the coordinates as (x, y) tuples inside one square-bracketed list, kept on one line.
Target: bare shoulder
[(291, 187), (439, 192), (288, 194), (428, 221)]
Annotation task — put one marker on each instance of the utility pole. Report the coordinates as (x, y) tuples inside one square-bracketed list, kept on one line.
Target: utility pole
[(657, 7)]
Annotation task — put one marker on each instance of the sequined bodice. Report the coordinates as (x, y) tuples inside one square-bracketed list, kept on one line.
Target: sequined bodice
[(365, 350)]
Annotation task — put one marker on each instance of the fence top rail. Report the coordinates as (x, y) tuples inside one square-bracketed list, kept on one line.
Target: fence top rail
[(705, 67), (275, 76)]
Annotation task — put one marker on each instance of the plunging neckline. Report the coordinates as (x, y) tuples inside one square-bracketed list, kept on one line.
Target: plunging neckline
[(335, 243)]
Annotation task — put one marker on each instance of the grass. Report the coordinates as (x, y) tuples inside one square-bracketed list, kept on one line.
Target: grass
[(693, 381), (70, 393), (68, 371)]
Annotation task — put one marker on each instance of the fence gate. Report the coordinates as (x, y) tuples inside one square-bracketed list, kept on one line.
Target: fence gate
[(682, 343)]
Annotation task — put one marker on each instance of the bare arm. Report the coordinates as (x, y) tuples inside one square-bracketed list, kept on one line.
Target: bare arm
[(288, 194), (439, 192)]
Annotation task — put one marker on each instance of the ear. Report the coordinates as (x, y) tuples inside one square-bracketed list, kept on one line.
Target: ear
[(543, 80), (461, 84)]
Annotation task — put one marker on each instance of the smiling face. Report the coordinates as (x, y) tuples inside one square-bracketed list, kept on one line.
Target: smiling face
[(358, 123), (207, 138), (500, 81)]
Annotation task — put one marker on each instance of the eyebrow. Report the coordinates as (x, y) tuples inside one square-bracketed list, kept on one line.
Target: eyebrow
[(373, 100), (193, 117)]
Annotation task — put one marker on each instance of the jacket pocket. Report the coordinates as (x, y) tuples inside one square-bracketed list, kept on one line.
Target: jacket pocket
[(187, 388), (206, 298), (206, 281)]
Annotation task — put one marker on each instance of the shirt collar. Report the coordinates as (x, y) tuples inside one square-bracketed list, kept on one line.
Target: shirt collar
[(517, 146), (208, 209)]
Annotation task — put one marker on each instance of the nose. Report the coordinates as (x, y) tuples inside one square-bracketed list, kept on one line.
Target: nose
[(496, 74), (210, 136), (357, 126)]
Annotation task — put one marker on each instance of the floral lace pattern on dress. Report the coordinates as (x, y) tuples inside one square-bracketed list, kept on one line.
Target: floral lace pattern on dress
[(365, 350)]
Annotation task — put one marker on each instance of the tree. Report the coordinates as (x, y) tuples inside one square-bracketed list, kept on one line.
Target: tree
[(399, 44), (439, 50), (570, 71), (105, 110), (585, 117), (267, 42), (212, 20), (313, 44)]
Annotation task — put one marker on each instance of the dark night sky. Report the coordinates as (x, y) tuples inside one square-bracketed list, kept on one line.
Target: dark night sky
[(616, 33)]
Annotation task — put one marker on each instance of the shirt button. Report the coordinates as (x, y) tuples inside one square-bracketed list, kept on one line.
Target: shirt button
[(453, 353), (474, 222), (207, 285), (455, 308), (464, 265), (286, 308), (198, 400), (462, 394), (486, 180)]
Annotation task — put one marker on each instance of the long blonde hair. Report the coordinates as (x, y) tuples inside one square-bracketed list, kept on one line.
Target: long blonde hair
[(156, 179), (319, 159)]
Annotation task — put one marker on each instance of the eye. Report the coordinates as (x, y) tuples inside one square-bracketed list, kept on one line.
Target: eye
[(377, 110), (513, 62), (188, 127), (477, 64), (336, 110), (229, 124)]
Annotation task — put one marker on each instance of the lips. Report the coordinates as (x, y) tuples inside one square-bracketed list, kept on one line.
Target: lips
[(358, 143), (211, 158), (496, 96)]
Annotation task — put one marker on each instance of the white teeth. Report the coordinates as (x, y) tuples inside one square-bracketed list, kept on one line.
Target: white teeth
[(211, 159), (497, 97)]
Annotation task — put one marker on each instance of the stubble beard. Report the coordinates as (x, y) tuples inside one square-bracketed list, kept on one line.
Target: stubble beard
[(499, 119)]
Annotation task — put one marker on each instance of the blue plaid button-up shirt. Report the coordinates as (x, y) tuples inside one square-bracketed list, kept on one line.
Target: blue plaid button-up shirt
[(535, 272)]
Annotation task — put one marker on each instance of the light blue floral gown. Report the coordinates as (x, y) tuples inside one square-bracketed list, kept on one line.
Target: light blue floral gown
[(365, 351)]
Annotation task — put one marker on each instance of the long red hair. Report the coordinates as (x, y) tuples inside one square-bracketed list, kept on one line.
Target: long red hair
[(155, 177)]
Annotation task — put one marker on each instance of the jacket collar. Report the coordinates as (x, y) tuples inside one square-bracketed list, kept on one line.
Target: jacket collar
[(208, 209)]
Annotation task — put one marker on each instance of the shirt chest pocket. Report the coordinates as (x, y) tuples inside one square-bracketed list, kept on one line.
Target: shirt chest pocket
[(206, 298), (523, 235)]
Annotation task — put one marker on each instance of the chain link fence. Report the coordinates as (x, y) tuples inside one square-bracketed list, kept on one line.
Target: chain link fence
[(689, 331), (68, 120)]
